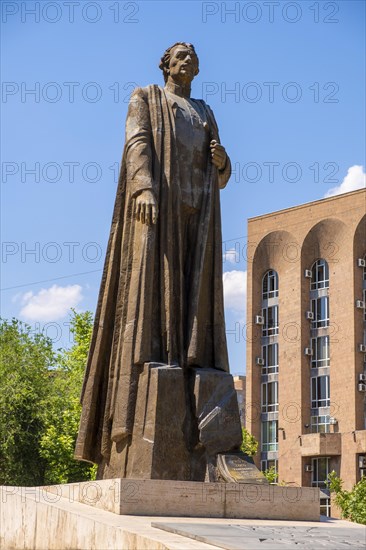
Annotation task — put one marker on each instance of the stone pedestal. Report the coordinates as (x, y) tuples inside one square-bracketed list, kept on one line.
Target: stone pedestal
[(182, 420), (157, 449)]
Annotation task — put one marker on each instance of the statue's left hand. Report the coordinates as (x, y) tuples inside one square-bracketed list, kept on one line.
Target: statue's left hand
[(218, 154)]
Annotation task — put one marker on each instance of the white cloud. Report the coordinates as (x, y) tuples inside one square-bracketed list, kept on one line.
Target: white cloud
[(235, 291), (355, 179), (231, 255), (50, 304)]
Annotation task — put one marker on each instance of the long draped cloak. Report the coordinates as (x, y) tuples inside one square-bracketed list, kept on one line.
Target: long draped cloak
[(142, 314)]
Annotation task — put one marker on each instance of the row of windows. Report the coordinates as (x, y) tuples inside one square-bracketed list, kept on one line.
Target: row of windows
[(319, 385), (319, 279), (320, 357), (320, 467), (319, 390), (319, 309)]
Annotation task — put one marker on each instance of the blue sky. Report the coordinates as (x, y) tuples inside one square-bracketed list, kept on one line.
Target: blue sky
[(286, 81)]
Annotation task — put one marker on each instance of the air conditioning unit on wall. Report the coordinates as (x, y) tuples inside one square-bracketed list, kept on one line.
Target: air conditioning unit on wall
[(308, 274), (361, 262), (309, 315), (362, 348), (259, 320), (308, 351), (360, 304), (259, 361), (361, 387), (308, 468)]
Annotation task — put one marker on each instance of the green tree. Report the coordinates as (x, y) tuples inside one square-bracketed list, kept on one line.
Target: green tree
[(62, 421), (249, 444), (271, 475), (26, 360), (351, 503), (40, 404)]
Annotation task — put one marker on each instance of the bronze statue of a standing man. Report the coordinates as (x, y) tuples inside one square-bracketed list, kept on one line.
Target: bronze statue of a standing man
[(161, 295)]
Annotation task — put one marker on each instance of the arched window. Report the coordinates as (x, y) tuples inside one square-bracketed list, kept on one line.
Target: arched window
[(320, 275), (270, 285)]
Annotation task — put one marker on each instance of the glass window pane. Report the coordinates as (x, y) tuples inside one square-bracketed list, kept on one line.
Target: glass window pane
[(270, 285), (270, 358), (269, 436), (320, 347), (320, 424), (320, 275), (320, 309)]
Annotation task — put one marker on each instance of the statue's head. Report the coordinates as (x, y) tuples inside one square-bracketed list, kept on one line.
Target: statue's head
[(180, 61)]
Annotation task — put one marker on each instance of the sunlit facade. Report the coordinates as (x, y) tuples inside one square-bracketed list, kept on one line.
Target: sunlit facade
[(306, 344)]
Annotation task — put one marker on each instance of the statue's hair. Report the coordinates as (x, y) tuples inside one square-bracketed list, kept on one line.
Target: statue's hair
[(165, 60)]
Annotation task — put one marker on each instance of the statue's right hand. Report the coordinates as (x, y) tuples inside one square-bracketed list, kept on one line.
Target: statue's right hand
[(146, 207)]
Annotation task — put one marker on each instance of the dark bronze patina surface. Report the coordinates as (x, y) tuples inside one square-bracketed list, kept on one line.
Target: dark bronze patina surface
[(160, 313)]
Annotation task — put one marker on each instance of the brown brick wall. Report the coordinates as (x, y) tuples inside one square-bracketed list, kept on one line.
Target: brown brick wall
[(289, 241)]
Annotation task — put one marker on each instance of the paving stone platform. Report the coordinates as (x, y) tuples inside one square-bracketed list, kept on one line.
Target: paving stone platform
[(34, 518), (269, 537)]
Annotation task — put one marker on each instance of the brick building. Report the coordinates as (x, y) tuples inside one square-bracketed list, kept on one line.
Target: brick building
[(306, 348)]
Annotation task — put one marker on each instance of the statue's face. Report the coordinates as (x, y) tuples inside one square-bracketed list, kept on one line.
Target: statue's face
[(183, 65)]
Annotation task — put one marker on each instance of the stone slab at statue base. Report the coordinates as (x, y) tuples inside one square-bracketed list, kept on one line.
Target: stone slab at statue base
[(182, 421), (194, 499)]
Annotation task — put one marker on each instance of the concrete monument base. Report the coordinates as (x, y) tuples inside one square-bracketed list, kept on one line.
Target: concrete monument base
[(181, 498), (118, 513), (37, 519)]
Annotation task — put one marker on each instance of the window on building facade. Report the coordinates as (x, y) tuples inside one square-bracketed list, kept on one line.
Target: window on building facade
[(320, 392), (270, 326), (269, 397), (321, 356), (270, 285), (325, 507), (320, 471), (320, 309), (270, 358), (320, 424), (267, 464), (320, 275), (270, 436)]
